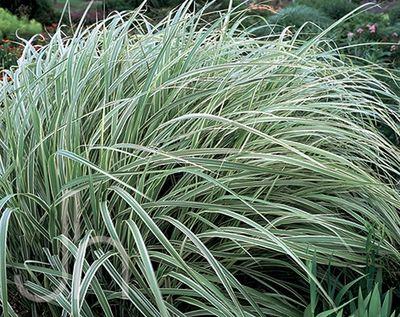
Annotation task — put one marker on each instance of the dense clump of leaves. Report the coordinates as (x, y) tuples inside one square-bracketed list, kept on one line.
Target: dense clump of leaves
[(189, 168)]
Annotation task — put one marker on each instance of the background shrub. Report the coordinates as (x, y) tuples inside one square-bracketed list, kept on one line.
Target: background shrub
[(394, 14), (43, 11), (10, 24), (334, 9), (40, 10), (297, 15), (9, 53), (122, 5)]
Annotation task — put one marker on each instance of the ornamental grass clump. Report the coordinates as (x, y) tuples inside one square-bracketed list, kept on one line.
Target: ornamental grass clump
[(189, 169)]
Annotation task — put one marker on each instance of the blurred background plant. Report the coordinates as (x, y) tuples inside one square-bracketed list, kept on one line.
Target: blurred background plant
[(9, 52), (40, 10), (120, 5), (334, 9), (298, 15), (12, 26)]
